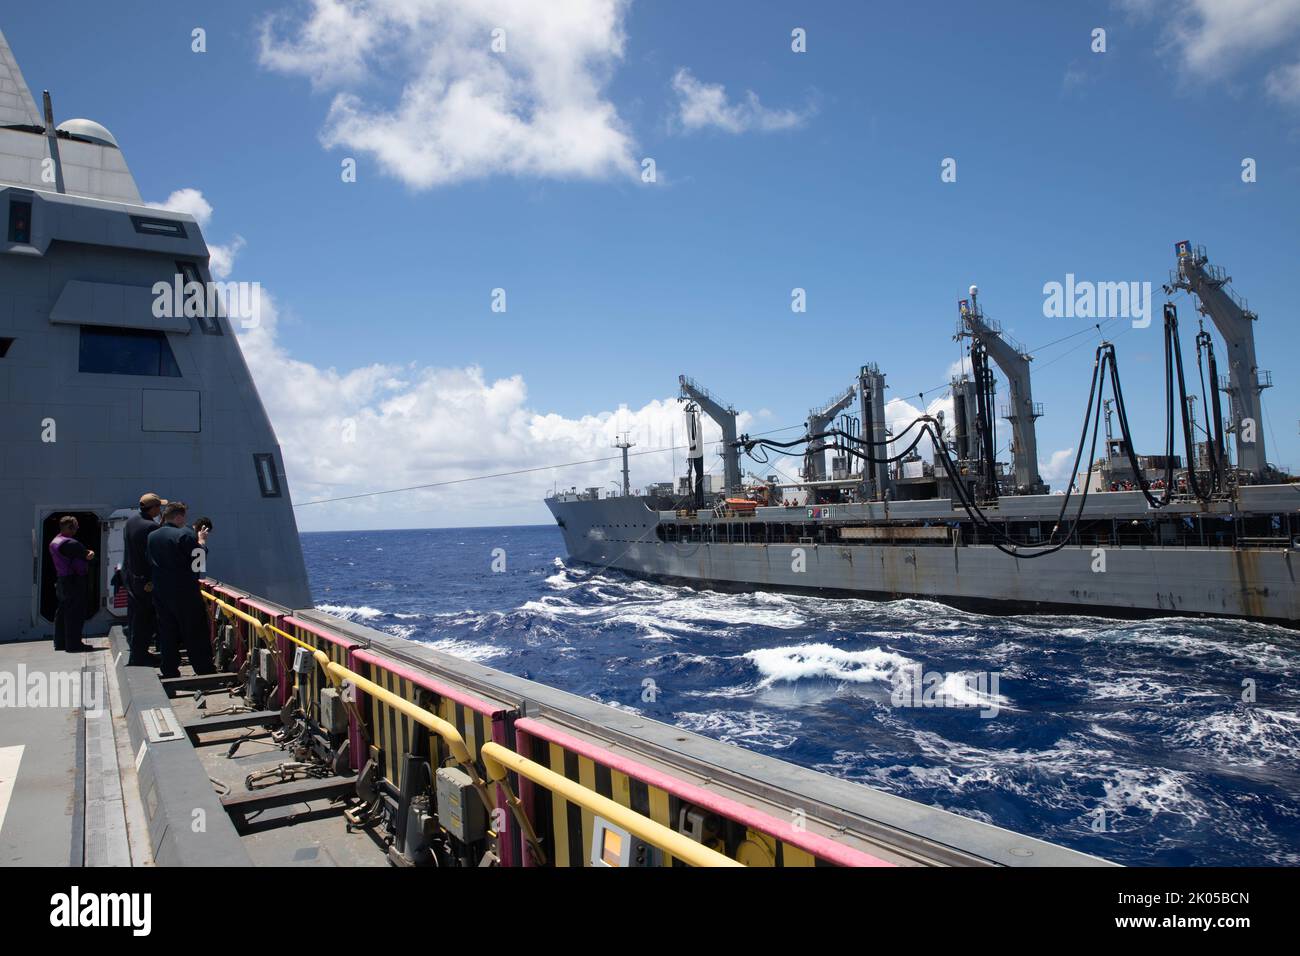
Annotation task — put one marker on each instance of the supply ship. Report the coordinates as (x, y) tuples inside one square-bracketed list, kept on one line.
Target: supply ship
[(317, 741), (1194, 530)]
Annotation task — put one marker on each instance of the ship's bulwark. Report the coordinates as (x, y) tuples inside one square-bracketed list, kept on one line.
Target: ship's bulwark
[(1258, 584)]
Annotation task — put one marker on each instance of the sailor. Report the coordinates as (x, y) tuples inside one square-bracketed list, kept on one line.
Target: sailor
[(140, 613), (176, 555), (72, 586)]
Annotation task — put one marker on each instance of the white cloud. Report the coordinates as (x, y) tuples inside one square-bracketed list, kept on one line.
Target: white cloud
[(1283, 84), (701, 105), (1056, 470), (188, 201), (331, 46), (222, 261), (379, 427), (192, 202), (1212, 38), (387, 426), (899, 413), (465, 112)]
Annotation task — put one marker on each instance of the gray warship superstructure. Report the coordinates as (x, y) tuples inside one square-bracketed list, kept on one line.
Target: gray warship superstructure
[(1135, 535), (103, 399)]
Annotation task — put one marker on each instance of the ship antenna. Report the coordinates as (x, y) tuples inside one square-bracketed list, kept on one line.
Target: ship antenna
[(624, 444), (52, 135)]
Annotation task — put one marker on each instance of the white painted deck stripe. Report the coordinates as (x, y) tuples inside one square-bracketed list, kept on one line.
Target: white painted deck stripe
[(106, 837), (10, 758)]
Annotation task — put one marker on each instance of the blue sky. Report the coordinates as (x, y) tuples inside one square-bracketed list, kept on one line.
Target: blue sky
[(1068, 161)]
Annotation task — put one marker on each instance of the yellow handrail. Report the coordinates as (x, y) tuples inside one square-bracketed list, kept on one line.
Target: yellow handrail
[(499, 761), (231, 611), (337, 673)]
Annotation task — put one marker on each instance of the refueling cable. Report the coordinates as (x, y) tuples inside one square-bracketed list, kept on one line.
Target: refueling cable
[(1092, 417)]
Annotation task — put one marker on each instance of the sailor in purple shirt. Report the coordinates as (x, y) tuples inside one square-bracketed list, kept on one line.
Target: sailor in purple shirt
[(72, 587)]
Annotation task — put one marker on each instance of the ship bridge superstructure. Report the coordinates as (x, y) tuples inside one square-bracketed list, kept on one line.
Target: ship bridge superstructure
[(113, 387)]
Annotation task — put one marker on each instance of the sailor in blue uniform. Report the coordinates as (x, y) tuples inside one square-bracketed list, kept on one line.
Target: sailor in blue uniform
[(174, 555), (141, 616)]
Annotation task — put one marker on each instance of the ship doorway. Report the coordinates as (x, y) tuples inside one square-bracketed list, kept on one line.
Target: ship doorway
[(88, 533)]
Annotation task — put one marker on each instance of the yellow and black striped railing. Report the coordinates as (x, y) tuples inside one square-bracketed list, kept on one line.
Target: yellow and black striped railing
[(548, 785)]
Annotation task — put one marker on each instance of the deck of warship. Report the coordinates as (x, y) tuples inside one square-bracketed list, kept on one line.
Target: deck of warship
[(130, 769)]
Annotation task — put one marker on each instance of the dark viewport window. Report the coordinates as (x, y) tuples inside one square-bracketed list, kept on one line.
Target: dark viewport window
[(126, 352), (266, 476), (20, 221)]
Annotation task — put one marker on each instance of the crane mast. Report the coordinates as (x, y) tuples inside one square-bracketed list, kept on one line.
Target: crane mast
[(1021, 411), (725, 417), (1245, 382), (819, 419)]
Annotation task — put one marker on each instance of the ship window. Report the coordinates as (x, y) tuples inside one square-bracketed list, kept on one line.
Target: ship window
[(172, 228), (4, 346), (266, 476), (208, 324), (108, 351), (20, 221)]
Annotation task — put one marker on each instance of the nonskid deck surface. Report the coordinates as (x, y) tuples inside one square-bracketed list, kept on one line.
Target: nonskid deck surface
[(306, 832), (68, 795)]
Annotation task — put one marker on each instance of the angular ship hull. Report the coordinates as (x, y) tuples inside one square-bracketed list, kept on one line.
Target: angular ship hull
[(102, 398)]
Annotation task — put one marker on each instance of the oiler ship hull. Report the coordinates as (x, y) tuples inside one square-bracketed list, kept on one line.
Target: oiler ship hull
[(918, 551)]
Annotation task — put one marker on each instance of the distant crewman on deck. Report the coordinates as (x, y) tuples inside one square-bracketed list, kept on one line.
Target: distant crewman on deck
[(175, 555), (140, 614), (72, 586)]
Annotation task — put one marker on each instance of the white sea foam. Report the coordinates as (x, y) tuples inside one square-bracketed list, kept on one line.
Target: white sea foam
[(825, 662), (466, 650), (1065, 776), (1191, 639), (1253, 736), (626, 708), (559, 581), (748, 728), (349, 613), (1135, 689)]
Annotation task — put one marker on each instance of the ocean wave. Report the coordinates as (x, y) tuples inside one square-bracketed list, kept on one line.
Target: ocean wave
[(349, 613), (466, 650), (1139, 723), (825, 662), (1249, 735), (748, 728), (1084, 783)]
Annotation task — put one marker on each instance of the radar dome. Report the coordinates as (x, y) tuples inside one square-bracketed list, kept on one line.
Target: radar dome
[(88, 130), (974, 290)]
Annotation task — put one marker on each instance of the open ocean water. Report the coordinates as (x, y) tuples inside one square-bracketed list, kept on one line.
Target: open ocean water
[(1139, 727)]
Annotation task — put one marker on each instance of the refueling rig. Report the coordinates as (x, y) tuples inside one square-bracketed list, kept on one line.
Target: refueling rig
[(1190, 530)]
